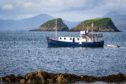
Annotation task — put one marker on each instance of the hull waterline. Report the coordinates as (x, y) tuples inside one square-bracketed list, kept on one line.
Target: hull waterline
[(56, 43)]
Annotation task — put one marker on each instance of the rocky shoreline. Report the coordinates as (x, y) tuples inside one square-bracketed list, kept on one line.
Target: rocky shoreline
[(42, 77)]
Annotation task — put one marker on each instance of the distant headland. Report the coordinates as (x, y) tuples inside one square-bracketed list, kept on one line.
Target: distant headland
[(51, 26), (100, 25)]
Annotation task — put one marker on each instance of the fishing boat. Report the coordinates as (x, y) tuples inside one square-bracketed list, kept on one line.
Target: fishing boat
[(86, 39)]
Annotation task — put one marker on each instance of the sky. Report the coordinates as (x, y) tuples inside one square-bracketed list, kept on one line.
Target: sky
[(72, 10)]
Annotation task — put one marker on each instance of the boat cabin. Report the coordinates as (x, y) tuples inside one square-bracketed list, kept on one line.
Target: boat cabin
[(85, 36)]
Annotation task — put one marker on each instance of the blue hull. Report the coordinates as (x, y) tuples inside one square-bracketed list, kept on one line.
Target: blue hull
[(55, 43)]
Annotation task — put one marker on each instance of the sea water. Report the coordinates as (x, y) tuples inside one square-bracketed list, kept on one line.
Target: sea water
[(25, 51)]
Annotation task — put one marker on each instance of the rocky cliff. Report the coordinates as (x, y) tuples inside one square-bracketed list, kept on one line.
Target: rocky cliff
[(51, 25), (100, 24)]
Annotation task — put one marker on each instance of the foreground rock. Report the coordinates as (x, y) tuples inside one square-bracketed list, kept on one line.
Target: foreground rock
[(100, 24), (43, 77)]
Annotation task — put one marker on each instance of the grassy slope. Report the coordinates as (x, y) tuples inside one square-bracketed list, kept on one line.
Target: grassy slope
[(98, 22), (52, 23), (105, 24)]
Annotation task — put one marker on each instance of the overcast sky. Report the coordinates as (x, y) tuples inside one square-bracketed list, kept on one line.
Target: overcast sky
[(73, 10)]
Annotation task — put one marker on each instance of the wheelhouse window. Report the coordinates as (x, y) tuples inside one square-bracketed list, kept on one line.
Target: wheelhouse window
[(60, 38), (64, 38), (70, 38)]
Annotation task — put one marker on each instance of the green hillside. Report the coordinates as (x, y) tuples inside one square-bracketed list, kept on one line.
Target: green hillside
[(100, 24), (51, 25)]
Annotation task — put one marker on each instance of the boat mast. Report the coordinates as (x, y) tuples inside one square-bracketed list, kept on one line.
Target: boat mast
[(92, 25), (56, 29), (87, 29)]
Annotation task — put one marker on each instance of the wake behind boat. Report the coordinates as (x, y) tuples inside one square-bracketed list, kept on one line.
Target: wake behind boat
[(86, 39)]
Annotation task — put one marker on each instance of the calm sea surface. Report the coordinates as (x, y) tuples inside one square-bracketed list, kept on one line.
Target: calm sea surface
[(24, 51)]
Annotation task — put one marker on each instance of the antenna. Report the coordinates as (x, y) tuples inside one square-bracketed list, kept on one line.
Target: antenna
[(92, 25), (98, 28), (87, 28), (56, 29), (82, 26)]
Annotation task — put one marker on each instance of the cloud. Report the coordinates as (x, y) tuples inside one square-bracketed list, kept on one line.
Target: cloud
[(68, 9), (27, 4), (7, 7)]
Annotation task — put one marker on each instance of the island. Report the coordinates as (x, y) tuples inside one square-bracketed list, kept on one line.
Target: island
[(100, 25), (51, 25)]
